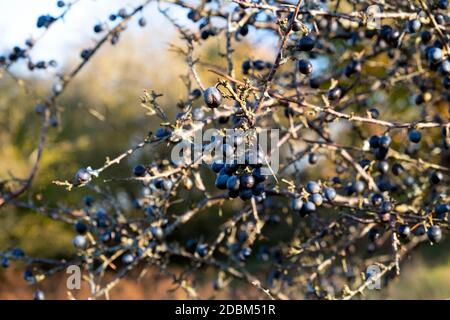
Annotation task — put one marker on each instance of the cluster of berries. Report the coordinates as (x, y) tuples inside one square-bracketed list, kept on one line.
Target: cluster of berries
[(243, 175), (312, 198)]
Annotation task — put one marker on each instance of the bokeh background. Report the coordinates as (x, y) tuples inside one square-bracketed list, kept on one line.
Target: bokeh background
[(101, 116)]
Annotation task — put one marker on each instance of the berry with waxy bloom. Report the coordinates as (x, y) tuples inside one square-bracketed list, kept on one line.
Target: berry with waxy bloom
[(212, 97)]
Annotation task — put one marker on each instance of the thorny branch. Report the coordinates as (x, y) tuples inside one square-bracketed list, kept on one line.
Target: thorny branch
[(369, 186)]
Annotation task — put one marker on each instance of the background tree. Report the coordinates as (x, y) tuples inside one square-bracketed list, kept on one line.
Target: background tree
[(362, 111)]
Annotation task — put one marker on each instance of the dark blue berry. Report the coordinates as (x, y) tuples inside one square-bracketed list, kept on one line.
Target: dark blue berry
[(381, 153), (374, 113), (212, 97), (296, 204), (386, 32), (106, 236), (397, 169), (29, 276), (444, 67), (259, 65), (359, 187), (308, 207), (258, 189), (221, 181), (17, 253), (403, 231), (364, 163), (247, 181), (79, 242), (420, 230), (434, 55), (414, 25), (233, 183), (426, 36), (305, 66), (244, 30), (314, 83), (415, 136), (245, 194), (373, 234), (191, 245), (434, 234), (312, 187), (86, 54), (443, 4), (442, 209), (98, 28), (334, 94), (231, 168), (202, 250), (162, 132), (5, 262), (246, 66), (306, 43), (312, 158), (374, 141), (88, 201), (41, 65), (193, 15), (142, 22), (195, 94), (353, 67), (227, 150), (244, 253), (45, 21), (157, 232), (330, 194), (83, 176), (409, 181), (123, 13), (164, 184), (383, 166), (127, 258), (139, 170), (257, 174), (296, 26), (376, 199), (386, 207), (80, 227), (316, 198), (38, 295), (217, 165), (436, 177), (385, 141), (151, 212)]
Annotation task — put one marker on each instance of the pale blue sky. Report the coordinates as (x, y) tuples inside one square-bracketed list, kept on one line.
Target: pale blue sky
[(65, 40), (18, 22), (19, 18)]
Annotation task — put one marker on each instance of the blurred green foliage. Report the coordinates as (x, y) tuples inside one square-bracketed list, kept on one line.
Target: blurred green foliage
[(100, 116)]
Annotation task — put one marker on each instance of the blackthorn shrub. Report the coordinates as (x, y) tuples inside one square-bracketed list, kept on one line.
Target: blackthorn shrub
[(361, 111)]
